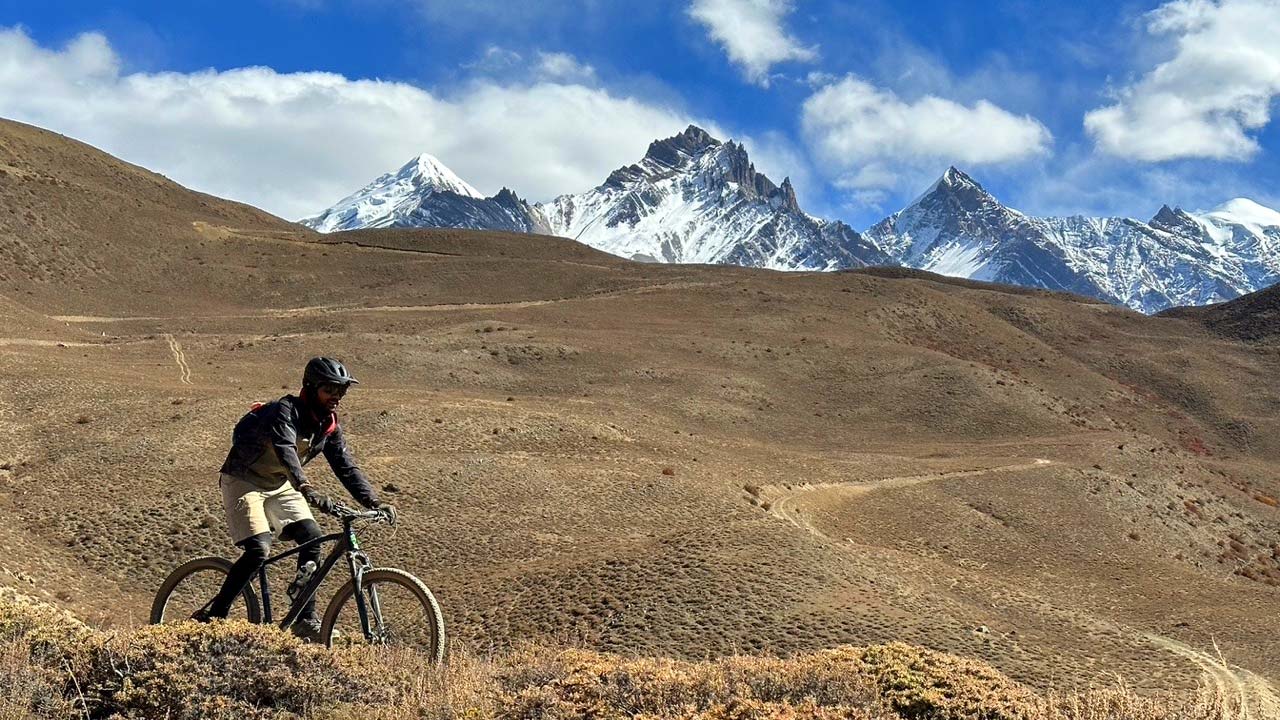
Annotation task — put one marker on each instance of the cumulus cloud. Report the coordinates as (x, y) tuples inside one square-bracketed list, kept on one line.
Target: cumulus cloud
[(751, 33), (1205, 100), (293, 143), (563, 67), (867, 138)]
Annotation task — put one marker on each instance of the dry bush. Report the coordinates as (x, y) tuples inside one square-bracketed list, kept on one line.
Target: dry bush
[(30, 690), (53, 666), (194, 671), (876, 683), (889, 681), (39, 646)]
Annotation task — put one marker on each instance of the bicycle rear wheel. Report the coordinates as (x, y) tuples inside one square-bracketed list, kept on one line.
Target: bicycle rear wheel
[(401, 610), (192, 586)]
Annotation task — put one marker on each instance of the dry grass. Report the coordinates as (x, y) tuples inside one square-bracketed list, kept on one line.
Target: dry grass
[(52, 666)]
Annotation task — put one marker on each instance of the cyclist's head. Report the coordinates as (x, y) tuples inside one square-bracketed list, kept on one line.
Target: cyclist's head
[(327, 376)]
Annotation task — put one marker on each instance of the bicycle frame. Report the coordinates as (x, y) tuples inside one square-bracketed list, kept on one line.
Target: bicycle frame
[(357, 562)]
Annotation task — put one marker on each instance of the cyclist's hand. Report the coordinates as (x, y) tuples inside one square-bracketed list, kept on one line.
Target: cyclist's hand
[(319, 501), (388, 511)]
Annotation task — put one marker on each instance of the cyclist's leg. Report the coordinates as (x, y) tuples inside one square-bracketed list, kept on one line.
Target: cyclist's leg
[(256, 550), (289, 512), (301, 531), (250, 530)]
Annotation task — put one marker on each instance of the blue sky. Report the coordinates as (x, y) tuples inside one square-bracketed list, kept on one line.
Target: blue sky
[(1090, 107)]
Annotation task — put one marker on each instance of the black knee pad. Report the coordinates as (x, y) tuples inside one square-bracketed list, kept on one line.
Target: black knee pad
[(257, 548), (301, 531)]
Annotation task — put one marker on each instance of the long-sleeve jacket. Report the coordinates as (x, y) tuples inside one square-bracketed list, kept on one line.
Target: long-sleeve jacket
[(272, 443)]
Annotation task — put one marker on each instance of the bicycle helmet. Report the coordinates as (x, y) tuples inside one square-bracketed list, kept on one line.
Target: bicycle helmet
[(321, 370)]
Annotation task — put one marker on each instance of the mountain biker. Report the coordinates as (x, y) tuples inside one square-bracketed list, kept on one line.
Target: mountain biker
[(264, 488)]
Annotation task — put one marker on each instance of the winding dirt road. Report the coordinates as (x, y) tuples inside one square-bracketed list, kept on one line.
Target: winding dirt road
[(781, 498), (1257, 697)]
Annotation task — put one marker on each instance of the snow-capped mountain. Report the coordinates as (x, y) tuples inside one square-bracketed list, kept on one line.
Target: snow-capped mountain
[(425, 193), (691, 199), (957, 228), (694, 199)]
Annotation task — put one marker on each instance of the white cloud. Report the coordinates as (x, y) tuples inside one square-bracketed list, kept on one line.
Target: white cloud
[(563, 67), (751, 33), (868, 138), (817, 79), (295, 143), (500, 64), (1205, 100)]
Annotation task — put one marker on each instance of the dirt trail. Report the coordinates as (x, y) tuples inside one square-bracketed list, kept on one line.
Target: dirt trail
[(1257, 697), (33, 342), (781, 498), (348, 308), (184, 370)]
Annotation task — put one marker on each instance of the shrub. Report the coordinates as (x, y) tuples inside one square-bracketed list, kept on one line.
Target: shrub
[(194, 671), (53, 666)]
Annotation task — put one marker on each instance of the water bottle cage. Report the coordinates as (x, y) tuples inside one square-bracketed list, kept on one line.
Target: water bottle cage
[(301, 579)]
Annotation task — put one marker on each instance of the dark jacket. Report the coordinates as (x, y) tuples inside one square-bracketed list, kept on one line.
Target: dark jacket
[(271, 444)]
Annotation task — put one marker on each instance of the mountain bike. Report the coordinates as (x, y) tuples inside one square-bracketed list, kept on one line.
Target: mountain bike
[(376, 605)]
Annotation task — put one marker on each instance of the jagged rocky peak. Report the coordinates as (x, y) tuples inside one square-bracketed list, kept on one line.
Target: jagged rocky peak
[(956, 191), (507, 196), (785, 198), (730, 163), (694, 153), (675, 150), (1175, 220), (955, 177), (735, 166), (955, 180)]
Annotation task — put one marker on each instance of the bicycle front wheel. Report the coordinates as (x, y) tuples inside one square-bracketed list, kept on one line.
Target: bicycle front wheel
[(192, 586), (400, 610)]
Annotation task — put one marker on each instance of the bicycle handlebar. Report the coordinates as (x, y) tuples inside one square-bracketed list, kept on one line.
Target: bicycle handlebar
[(346, 512)]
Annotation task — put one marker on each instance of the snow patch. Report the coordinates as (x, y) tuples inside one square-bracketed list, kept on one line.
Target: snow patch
[(960, 259), (1245, 212)]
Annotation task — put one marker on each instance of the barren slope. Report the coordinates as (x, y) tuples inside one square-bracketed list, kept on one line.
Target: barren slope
[(1253, 317), (680, 460)]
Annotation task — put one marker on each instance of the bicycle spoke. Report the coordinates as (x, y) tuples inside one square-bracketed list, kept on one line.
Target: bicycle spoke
[(396, 616), (196, 591)]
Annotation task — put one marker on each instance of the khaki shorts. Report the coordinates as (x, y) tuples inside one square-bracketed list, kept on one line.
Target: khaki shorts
[(252, 510)]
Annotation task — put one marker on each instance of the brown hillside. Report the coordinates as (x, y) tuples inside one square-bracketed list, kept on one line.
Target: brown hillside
[(1252, 317), (674, 460)]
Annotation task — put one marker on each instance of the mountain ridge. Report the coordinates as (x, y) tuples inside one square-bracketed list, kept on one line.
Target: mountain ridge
[(693, 198)]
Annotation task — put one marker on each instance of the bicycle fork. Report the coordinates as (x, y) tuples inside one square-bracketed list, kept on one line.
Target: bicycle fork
[(359, 563)]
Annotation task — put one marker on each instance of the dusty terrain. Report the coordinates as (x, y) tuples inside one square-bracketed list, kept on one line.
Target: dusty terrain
[(672, 460)]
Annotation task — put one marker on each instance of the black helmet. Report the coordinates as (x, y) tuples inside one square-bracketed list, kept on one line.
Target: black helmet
[(321, 370)]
